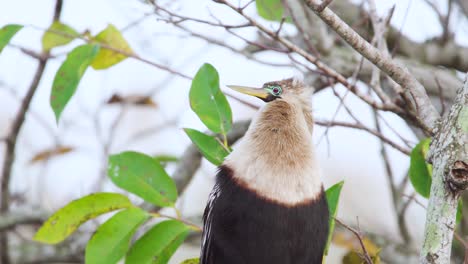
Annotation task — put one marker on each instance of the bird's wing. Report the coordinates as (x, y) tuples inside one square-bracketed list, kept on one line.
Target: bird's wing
[(207, 224)]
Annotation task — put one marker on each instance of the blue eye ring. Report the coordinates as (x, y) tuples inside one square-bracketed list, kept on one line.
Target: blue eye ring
[(275, 90)]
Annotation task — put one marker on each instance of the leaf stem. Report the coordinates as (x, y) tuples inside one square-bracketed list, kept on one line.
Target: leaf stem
[(178, 213), (225, 141), (191, 225)]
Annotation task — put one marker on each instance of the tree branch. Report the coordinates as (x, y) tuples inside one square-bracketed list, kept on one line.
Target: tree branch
[(319, 64), (10, 220), (449, 156), (415, 93), (12, 139), (431, 52)]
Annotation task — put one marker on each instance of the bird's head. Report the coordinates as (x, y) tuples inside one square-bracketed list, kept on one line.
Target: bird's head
[(285, 99), (291, 89)]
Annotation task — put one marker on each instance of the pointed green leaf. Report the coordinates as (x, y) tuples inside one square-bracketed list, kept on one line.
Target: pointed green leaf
[(69, 75), (270, 9), (211, 148), (112, 239), (58, 34), (208, 102), (191, 261), (110, 37), (6, 33), (333, 198), (142, 175), (158, 244), (171, 248), (420, 173), (66, 220)]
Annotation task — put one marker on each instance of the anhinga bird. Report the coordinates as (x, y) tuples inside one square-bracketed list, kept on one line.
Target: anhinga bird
[(268, 205)]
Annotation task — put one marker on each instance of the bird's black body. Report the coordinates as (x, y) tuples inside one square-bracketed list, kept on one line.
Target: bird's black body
[(241, 227)]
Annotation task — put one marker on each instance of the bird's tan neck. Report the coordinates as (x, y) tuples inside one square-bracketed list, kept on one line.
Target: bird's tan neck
[(276, 157)]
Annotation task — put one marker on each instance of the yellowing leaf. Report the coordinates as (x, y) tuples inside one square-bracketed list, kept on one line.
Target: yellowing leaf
[(353, 257), (58, 34), (350, 242), (66, 220), (113, 39), (49, 153), (191, 261)]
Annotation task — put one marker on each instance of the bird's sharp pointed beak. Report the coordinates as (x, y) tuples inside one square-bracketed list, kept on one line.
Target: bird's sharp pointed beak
[(257, 92)]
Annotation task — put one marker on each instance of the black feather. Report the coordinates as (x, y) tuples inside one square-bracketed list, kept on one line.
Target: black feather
[(243, 228)]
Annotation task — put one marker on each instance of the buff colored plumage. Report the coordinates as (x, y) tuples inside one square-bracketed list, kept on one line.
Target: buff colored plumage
[(268, 204)]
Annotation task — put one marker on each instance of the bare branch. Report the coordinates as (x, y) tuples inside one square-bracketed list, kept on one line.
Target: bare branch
[(320, 65), (415, 93), (369, 130), (358, 235), (10, 220)]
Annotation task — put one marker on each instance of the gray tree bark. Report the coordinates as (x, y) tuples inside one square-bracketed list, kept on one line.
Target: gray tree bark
[(449, 156)]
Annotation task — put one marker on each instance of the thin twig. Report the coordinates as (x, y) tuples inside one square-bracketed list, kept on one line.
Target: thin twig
[(178, 218), (323, 5), (358, 235), (412, 197), (415, 95), (465, 245), (223, 44), (319, 64), (403, 150), (193, 19)]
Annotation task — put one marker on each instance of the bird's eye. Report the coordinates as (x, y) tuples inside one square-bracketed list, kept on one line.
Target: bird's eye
[(275, 90)]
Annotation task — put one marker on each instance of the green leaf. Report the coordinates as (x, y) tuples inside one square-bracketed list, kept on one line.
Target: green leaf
[(208, 102), (420, 173), (69, 75), (270, 9), (158, 244), (191, 261), (459, 211), (66, 220), (112, 239), (142, 175), (333, 198), (171, 248), (112, 38), (211, 148), (58, 34), (6, 33)]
